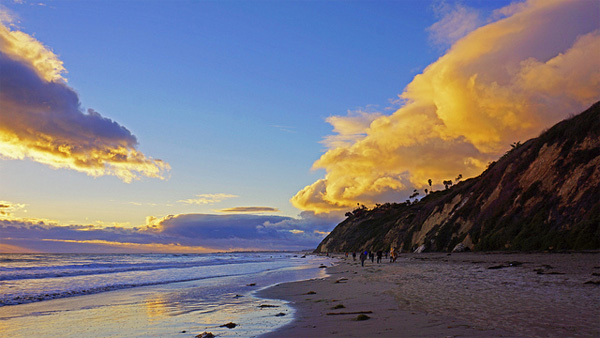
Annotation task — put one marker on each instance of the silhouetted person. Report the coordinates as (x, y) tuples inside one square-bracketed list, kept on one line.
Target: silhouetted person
[(372, 256), (354, 256), (379, 256), (363, 257)]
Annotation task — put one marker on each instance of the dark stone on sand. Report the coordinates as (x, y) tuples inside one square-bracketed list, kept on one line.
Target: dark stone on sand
[(497, 267), (322, 266), (280, 314), (206, 335), (229, 325), (362, 317), (339, 306), (593, 282), (251, 284), (184, 331), (595, 274), (515, 263), (311, 293), (267, 305)]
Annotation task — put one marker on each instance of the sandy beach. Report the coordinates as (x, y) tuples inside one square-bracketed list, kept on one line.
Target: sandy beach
[(457, 295)]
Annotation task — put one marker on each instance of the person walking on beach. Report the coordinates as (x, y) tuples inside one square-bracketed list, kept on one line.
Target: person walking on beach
[(392, 255), (372, 256), (354, 256), (379, 256), (363, 257)]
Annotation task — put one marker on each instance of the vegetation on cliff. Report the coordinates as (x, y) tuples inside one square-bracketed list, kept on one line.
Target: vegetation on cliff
[(543, 194)]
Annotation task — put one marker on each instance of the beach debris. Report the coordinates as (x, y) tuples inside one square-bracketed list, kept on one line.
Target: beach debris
[(593, 282), (362, 317), (348, 313), (206, 335), (310, 293), (251, 284), (341, 280), (280, 314), (237, 296), (267, 305), (339, 306), (229, 325)]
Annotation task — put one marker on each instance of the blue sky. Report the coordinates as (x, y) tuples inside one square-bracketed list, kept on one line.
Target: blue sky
[(236, 96)]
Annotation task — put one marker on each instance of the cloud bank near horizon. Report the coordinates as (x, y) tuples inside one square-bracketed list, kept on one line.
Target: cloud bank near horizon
[(503, 82), (42, 119), (193, 233)]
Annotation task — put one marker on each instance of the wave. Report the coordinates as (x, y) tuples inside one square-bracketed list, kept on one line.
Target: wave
[(31, 298), (70, 270)]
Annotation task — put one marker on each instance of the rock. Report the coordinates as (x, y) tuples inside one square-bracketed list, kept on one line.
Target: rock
[(311, 293), (460, 248), (363, 317), (497, 267), (322, 266), (206, 335), (229, 325), (420, 249), (267, 305), (251, 284), (593, 282), (280, 314)]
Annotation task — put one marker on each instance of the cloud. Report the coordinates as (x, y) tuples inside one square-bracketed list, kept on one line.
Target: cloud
[(503, 82), (455, 22), (248, 210), (203, 199), (7, 209), (173, 233), (42, 119)]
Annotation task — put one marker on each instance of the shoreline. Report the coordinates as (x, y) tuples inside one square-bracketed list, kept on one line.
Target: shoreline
[(442, 295)]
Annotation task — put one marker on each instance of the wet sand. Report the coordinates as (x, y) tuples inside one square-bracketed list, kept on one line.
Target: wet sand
[(457, 295)]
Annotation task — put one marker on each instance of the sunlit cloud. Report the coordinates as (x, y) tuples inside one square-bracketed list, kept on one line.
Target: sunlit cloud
[(456, 21), (501, 83), (8, 209), (42, 119), (248, 210), (204, 199)]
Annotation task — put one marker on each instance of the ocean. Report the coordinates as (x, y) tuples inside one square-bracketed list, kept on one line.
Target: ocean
[(146, 295)]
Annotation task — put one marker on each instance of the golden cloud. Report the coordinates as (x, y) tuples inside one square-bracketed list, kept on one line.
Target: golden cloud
[(248, 210), (42, 119), (203, 199), (501, 83)]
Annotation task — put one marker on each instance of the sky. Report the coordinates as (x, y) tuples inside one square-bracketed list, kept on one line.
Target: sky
[(199, 126)]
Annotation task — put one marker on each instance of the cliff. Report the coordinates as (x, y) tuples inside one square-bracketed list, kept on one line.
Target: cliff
[(543, 194)]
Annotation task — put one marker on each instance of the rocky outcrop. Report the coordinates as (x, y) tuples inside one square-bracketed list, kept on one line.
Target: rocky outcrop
[(542, 195)]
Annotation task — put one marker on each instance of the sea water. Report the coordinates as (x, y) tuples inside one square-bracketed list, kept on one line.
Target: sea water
[(146, 295)]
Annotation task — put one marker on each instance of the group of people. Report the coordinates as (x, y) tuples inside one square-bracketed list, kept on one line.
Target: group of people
[(371, 255)]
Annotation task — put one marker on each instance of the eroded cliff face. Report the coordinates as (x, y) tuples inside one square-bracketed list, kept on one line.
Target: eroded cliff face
[(542, 195)]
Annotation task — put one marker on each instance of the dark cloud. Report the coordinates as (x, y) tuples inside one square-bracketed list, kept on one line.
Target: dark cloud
[(213, 232), (42, 119), (248, 210)]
